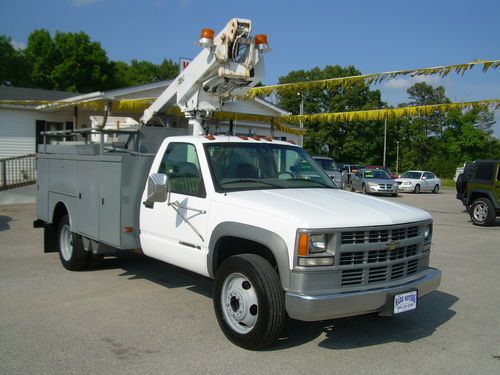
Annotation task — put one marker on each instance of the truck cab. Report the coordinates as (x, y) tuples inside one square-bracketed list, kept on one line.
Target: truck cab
[(242, 202)]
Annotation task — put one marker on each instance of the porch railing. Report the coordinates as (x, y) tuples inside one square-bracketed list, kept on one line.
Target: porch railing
[(17, 171)]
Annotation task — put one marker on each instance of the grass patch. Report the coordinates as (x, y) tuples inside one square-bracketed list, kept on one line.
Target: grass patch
[(448, 183)]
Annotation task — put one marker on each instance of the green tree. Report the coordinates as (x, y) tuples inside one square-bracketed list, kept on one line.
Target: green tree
[(442, 141), (342, 141), (142, 72), (12, 64), (68, 62), (73, 62), (168, 69), (82, 65), (41, 57)]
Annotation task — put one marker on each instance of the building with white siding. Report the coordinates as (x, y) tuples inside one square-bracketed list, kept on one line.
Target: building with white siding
[(24, 113), (19, 118)]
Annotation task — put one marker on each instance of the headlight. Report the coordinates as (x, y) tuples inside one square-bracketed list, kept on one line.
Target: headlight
[(373, 184), (428, 232), (314, 249), (317, 243), (407, 183)]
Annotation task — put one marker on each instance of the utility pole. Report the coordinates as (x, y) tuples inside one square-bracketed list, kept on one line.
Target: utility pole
[(385, 139), (397, 158), (301, 112)]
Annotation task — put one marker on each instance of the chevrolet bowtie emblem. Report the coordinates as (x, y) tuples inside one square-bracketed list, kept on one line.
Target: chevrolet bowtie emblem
[(392, 245)]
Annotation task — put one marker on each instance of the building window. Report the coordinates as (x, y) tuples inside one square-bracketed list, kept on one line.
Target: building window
[(43, 126)]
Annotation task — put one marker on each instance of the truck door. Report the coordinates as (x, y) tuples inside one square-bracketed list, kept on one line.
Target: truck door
[(175, 231)]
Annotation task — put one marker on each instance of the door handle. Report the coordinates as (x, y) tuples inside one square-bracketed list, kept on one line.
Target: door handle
[(148, 204)]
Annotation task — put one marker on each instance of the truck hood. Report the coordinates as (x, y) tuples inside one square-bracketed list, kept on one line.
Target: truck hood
[(324, 208)]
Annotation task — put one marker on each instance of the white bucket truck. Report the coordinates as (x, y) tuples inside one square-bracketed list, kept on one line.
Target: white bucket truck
[(257, 215)]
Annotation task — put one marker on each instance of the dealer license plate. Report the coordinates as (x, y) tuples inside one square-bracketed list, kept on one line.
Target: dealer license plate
[(405, 302)]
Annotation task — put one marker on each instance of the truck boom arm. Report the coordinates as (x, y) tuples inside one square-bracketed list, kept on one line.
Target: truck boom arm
[(229, 65)]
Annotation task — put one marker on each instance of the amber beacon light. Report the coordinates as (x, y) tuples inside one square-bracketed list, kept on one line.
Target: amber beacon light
[(206, 38), (261, 43)]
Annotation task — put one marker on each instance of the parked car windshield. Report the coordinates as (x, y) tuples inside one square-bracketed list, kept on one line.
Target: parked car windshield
[(328, 164), (376, 174), (255, 166), (414, 175)]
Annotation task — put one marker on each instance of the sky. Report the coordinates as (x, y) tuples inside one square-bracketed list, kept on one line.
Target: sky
[(374, 36)]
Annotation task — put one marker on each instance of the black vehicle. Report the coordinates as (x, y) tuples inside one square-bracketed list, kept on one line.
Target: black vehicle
[(478, 187), (348, 170)]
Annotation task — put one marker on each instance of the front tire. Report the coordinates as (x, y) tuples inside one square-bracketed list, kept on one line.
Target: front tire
[(363, 189), (417, 189), (249, 302), (71, 251), (482, 212)]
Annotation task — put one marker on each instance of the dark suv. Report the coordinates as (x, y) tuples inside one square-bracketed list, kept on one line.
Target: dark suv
[(478, 187)]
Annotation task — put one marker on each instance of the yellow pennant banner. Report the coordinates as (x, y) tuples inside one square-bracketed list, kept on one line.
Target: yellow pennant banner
[(368, 79), (280, 123), (381, 114)]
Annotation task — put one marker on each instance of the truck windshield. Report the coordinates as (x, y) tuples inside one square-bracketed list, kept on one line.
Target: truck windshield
[(255, 166)]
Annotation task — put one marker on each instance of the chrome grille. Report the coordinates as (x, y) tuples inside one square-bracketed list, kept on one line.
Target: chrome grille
[(379, 274), (367, 256), (350, 258), (385, 186), (354, 237)]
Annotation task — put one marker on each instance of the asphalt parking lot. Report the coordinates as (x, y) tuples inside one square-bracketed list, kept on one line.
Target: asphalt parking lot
[(137, 315)]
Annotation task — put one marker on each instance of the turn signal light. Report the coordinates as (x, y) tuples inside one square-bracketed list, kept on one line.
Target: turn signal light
[(303, 247)]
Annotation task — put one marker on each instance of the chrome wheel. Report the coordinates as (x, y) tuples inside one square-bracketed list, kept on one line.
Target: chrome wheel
[(66, 242), (480, 212), (239, 303)]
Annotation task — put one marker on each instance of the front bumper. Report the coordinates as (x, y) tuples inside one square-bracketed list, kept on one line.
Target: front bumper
[(406, 187), (380, 190), (331, 306)]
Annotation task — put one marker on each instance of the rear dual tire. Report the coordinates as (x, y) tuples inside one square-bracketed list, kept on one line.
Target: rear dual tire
[(70, 245)]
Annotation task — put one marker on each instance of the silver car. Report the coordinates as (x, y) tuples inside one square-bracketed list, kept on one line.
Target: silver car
[(417, 181), (331, 169), (374, 181)]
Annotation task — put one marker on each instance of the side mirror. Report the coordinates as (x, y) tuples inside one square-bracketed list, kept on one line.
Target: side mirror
[(424, 178), (157, 187)]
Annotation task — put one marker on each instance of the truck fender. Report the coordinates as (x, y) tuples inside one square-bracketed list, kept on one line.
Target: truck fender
[(50, 228), (266, 238)]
